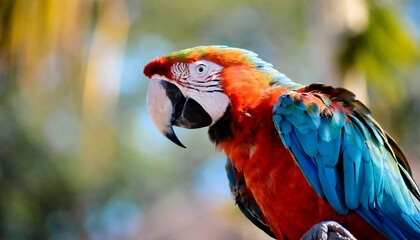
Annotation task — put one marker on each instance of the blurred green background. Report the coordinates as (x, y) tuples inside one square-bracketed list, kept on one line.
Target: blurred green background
[(79, 156)]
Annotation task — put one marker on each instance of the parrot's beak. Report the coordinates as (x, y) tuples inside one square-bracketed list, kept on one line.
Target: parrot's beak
[(168, 107)]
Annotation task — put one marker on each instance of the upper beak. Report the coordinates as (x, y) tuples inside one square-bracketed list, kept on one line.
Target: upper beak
[(168, 106)]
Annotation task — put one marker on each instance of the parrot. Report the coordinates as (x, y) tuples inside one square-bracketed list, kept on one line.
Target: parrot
[(299, 156)]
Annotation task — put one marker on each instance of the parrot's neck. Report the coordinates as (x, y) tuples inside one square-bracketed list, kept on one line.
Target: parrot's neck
[(252, 93), (236, 132)]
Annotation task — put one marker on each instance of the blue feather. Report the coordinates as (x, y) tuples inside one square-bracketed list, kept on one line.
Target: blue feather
[(309, 142), (352, 182), (329, 182)]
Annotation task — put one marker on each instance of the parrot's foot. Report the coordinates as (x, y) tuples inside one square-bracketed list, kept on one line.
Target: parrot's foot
[(328, 230)]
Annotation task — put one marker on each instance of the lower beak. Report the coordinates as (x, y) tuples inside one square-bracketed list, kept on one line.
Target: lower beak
[(168, 107)]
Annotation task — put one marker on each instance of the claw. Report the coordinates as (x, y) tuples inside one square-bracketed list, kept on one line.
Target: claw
[(328, 230)]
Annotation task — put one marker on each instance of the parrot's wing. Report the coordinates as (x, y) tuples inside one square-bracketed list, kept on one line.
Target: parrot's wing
[(245, 200), (348, 159)]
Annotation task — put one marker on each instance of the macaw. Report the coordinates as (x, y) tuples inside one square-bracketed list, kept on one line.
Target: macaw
[(297, 156)]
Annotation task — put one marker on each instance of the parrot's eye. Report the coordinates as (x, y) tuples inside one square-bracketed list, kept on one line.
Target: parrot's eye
[(201, 69)]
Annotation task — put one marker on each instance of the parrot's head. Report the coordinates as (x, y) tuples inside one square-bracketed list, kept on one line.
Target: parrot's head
[(194, 88)]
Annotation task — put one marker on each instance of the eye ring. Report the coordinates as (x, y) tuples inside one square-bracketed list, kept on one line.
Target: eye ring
[(201, 69)]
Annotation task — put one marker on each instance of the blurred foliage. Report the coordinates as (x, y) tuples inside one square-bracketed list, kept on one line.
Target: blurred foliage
[(79, 157), (384, 51)]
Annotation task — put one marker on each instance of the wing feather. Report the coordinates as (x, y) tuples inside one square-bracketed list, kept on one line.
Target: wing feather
[(245, 200), (349, 159)]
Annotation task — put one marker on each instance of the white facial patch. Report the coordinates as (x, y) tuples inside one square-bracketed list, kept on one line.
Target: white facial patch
[(202, 83)]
